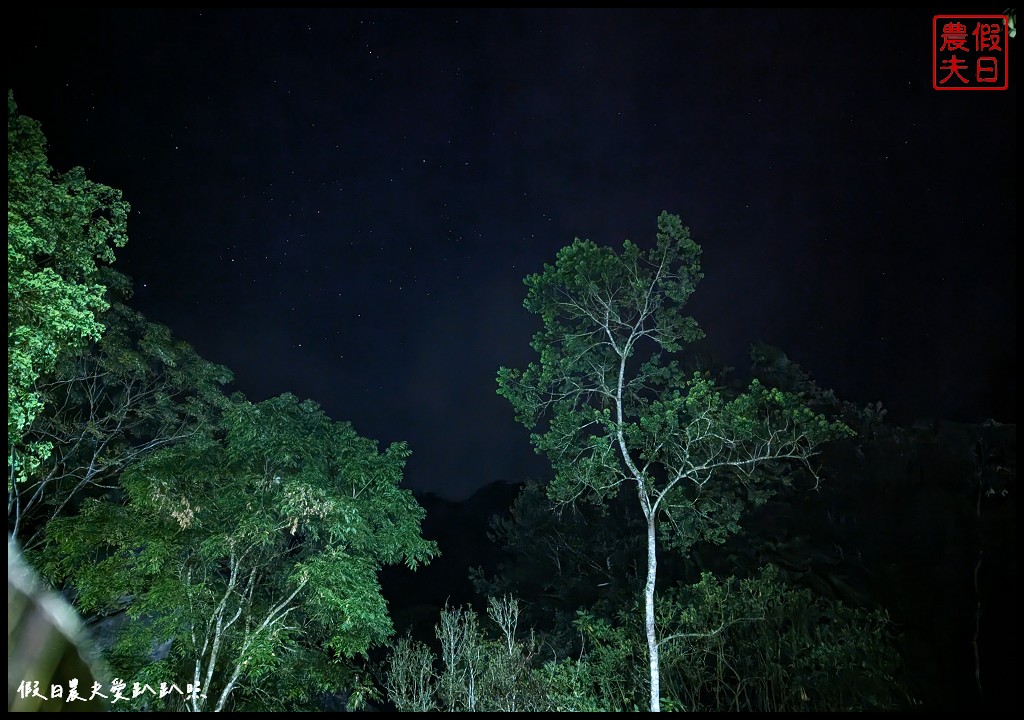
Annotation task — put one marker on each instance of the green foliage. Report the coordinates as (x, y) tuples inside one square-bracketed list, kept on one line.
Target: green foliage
[(727, 646), (615, 657), (749, 645), (132, 392), (774, 368), (411, 682), (60, 227), (479, 671), (596, 307), (764, 646), (618, 410), (253, 548), (610, 410), (568, 686)]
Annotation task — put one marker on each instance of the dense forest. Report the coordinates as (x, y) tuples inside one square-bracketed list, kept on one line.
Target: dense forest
[(708, 539)]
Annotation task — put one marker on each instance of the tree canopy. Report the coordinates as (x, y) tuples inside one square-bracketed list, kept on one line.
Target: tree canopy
[(138, 388), (60, 229), (612, 408), (252, 550)]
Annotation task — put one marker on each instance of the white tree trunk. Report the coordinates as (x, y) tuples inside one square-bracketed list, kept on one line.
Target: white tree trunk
[(649, 625)]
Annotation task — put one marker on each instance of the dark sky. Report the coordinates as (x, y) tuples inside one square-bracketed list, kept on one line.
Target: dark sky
[(342, 204)]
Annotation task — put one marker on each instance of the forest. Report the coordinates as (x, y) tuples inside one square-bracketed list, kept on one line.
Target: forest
[(707, 538)]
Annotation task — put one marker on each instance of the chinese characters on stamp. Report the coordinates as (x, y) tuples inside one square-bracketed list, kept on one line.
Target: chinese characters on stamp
[(970, 52)]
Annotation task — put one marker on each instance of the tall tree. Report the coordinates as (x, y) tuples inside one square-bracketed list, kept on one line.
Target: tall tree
[(611, 410), (253, 551), (60, 227)]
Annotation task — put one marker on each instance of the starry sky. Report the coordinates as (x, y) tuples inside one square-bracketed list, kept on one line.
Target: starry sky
[(343, 204)]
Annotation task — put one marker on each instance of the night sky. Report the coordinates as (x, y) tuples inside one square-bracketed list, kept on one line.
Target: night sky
[(343, 204)]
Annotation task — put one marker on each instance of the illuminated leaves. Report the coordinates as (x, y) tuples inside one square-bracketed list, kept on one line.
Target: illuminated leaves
[(611, 409), (258, 540), (118, 400), (59, 228)]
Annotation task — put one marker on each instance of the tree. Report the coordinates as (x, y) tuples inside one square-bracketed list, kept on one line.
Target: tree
[(610, 409), (253, 551), (132, 392), (480, 672), (762, 645), (752, 645), (59, 228)]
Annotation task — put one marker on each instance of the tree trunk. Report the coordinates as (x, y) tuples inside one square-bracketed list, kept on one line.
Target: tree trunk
[(652, 633)]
